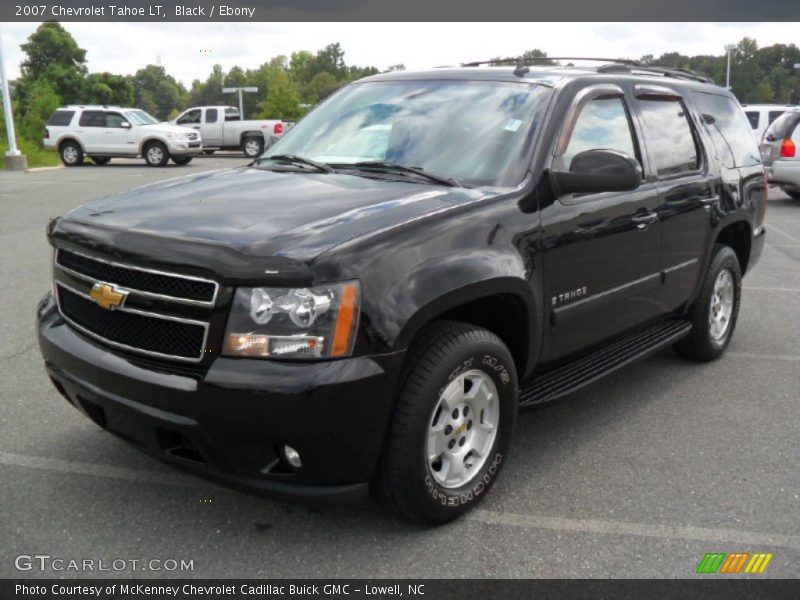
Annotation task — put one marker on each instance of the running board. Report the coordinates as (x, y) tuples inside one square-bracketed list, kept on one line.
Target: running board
[(582, 371)]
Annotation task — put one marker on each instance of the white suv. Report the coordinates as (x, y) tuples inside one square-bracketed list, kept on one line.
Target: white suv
[(106, 132)]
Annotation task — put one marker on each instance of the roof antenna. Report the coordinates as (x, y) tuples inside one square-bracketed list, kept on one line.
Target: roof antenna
[(521, 68)]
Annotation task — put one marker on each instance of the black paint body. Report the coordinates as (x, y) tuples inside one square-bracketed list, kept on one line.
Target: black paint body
[(502, 258)]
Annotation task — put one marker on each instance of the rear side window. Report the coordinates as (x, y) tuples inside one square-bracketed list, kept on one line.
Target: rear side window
[(753, 117), (783, 127), (602, 125), (211, 115), (92, 118), (671, 142), (728, 128), (61, 118)]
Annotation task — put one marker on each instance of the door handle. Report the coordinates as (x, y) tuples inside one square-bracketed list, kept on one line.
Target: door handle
[(644, 220)]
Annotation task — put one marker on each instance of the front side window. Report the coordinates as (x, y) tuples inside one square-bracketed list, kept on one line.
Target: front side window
[(472, 131), (602, 125), (729, 129), (189, 118), (92, 118), (115, 120), (671, 142)]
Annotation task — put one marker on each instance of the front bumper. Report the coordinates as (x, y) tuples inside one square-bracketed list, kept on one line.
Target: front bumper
[(785, 173), (227, 423), (185, 147)]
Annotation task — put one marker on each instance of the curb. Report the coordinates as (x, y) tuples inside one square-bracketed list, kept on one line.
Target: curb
[(35, 169)]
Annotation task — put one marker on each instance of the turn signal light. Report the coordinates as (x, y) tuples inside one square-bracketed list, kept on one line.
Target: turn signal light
[(787, 149)]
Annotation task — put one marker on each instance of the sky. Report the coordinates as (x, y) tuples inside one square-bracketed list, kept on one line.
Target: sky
[(189, 50)]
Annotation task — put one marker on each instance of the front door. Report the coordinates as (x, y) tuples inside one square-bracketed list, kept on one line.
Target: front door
[(119, 135), (601, 251)]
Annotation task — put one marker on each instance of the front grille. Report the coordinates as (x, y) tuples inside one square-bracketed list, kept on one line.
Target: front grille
[(180, 287), (134, 330), (191, 136)]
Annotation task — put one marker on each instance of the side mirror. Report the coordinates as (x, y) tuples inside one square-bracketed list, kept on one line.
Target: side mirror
[(125, 125), (595, 171)]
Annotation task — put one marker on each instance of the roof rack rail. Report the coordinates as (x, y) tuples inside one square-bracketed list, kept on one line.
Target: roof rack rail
[(613, 65)]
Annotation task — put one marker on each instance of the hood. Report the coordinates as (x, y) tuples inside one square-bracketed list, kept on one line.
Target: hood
[(251, 212), (169, 128)]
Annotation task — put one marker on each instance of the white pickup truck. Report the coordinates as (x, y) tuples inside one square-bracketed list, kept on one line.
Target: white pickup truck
[(222, 128)]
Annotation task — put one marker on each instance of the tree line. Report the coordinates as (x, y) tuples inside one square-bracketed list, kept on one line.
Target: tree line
[(54, 73)]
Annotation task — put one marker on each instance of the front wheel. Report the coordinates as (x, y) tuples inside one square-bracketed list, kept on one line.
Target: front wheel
[(793, 194), (713, 314), (156, 154), (452, 424), (253, 147), (181, 160)]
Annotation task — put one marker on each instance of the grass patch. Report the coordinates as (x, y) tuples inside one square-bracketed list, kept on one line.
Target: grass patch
[(37, 157)]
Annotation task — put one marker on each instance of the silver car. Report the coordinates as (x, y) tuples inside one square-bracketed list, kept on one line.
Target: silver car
[(780, 152)]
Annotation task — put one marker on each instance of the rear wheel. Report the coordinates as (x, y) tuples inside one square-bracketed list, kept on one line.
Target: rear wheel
[(71, 154), (714, 312), (181, 160), (100, 160), (156, 154), (452, 424), (253, 146)]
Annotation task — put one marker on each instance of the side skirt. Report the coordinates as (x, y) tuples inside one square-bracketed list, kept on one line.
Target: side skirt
[(566, 378)]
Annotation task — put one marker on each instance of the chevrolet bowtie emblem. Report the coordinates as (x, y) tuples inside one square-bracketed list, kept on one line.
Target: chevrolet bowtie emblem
[(108, 296)]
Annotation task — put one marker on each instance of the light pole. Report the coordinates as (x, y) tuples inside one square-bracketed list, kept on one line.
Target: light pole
[(729, 48), (231, 90), (14, 159)]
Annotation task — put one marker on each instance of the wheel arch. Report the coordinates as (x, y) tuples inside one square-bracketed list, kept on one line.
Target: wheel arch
[(152, 138), (70, 138), (739, 236), (503, 305), (252, 133)]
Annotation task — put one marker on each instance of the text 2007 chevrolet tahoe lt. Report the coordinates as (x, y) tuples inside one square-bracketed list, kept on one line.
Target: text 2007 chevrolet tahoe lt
[(369, 304)]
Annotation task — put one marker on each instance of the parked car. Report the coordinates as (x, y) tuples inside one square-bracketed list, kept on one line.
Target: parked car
[(222, 128), (106, 132), (761, 116), (369, 304), (780, 151)]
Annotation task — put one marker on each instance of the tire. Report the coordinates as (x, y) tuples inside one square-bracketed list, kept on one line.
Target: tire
[(182, 160), (100, 160), (713, 314), (432, 419), (156, 154), (793, 194), (253, 146), (71, 154), (208, 152)]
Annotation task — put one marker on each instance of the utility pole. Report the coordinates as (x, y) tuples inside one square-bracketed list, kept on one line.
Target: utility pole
[(14, 159), (729, 48), (231, 90)]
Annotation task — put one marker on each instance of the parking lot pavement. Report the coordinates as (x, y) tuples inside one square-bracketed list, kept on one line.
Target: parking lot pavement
[(637, 476)]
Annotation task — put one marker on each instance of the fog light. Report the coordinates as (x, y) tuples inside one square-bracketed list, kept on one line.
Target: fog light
[(292, 457)]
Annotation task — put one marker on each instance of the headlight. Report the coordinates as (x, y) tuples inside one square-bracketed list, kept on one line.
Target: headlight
[(312, 322)]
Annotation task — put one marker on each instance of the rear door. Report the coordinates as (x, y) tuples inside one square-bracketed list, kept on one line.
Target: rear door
[(687, 189), (601, 250), (91, 131), (212, 127)]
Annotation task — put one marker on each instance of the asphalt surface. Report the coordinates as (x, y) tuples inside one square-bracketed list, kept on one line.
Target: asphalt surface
[(637, 476)]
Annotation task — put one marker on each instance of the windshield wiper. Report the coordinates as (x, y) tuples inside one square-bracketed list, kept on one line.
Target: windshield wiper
[(294, 159), (387, 167)]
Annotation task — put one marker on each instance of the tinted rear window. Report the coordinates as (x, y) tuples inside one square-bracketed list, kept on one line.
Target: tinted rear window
[(729, 129), (92, 118), (752, 116), (783, 127), (61, 118), (774, 114), (670, 137)]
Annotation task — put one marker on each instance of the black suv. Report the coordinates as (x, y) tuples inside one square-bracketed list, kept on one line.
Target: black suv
[(367, 305)]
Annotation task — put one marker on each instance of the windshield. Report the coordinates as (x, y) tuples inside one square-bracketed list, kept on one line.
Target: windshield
[(139, 117), (471, 131)]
